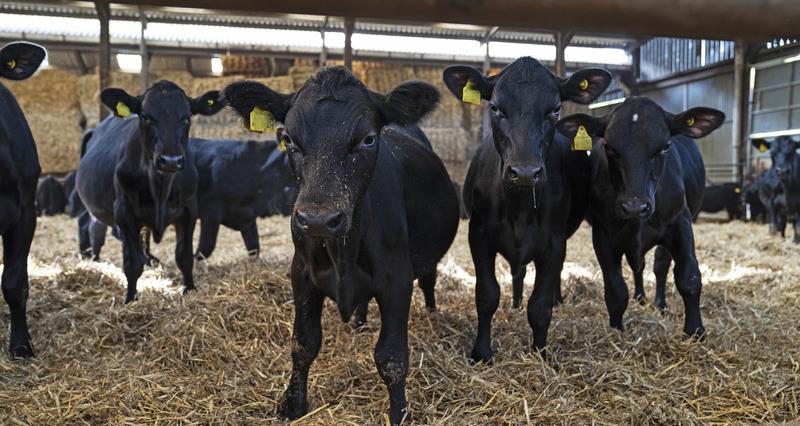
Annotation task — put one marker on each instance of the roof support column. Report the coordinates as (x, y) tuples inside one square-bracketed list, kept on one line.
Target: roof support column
[(349, 25), (323, 53), (144, 75), (104, 49), (741, 99), (562, 41)]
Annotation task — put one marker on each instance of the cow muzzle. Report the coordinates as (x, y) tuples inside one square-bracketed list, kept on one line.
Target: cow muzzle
[(330, 224), (523, 175), (635, 208), (170, 163)]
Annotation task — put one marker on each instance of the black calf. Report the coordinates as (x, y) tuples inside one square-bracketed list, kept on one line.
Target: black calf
[(647, 185), (19, 175), (50, 199)]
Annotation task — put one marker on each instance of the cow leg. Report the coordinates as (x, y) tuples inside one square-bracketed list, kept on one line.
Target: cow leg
[(796, 239), (661, 263), (133, 258), (616, 291), (773, 227), (97, 234), (306, 341), (16, 245), (250, 238), (145, 236), (636, 262), (391, 351), (517, 284), (209, 228), (84, 241), (540, 304), (184, 231), (361, 314), (680, 243), (487, 292), (427, 283), (780, 223)]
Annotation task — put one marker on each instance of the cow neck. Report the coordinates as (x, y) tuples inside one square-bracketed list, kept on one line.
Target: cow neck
[(160, 186)]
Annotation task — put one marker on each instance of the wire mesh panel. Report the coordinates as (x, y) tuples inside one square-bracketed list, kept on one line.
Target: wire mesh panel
[(664, 56)]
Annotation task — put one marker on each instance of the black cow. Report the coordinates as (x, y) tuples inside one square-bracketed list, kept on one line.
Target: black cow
[(136, 172), (647, 184), (239, 182), (50, 198), (69, 187), (19, 175), (375, 210), (755, 210), (525, 190), (770, 193), (786, 165), (723, 197)]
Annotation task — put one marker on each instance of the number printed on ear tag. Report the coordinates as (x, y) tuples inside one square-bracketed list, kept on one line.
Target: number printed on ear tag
[(582, 140)]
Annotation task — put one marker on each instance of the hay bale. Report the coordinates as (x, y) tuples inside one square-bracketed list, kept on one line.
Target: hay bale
[(240, 65), (51, 107)]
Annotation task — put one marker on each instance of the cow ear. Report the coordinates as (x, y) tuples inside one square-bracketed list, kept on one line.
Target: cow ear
[(120, 102), (569, 125), (584, 86), (207, 104), (696, 122), (409, 102), (245, 96), (762, 145), (468, 84), (20, 60)]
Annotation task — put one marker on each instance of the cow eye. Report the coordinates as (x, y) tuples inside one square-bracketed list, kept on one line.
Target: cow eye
[(289, 143), (494, 109), (555, 111), (366, 143)]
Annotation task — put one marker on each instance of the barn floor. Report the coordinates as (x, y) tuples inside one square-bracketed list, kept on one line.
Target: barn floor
[(221, 354)]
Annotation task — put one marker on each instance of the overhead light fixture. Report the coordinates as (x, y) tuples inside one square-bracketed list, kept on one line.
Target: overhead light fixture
[(216, 65), (775, 134), (129, 63), (606, 103)]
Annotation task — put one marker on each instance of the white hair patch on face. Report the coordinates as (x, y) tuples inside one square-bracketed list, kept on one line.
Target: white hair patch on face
[(635, 117)]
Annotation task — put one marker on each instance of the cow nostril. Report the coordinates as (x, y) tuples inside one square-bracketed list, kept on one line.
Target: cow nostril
[(646, 209), (302, 220), (335, 221), (513, 174), (537, 174)]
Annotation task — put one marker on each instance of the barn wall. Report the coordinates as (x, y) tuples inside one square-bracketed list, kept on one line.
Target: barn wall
[(55, 101)]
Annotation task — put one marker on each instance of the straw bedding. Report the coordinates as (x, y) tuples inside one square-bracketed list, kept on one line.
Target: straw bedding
[(221, 354)]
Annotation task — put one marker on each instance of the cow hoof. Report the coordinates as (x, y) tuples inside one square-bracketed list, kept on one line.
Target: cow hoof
[(186, 290), (290, 411), (23, 351), (639, 297), (558, 301), (431, 309), (479, 356), (402, 417), (129, 298), (698, 334), (661, 306), (516, 304), (153, 261)]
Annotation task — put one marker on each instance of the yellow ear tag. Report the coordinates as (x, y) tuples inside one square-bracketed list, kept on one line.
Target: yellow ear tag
[(123, 110), (282, 146), (738, 190), (11, 64), (261, 120), (763, 148), (690, 121), (584, 84), (210, 102), (582, 140), (470, 94)]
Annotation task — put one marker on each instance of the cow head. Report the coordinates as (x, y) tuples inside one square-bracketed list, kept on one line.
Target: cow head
[(783, 151), (524, 103), (637, 143), (332, 134), (20, 60), (165, 116)]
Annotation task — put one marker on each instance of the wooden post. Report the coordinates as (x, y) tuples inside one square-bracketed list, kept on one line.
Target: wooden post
[(104, 49), (323, 53), (349, 24)]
